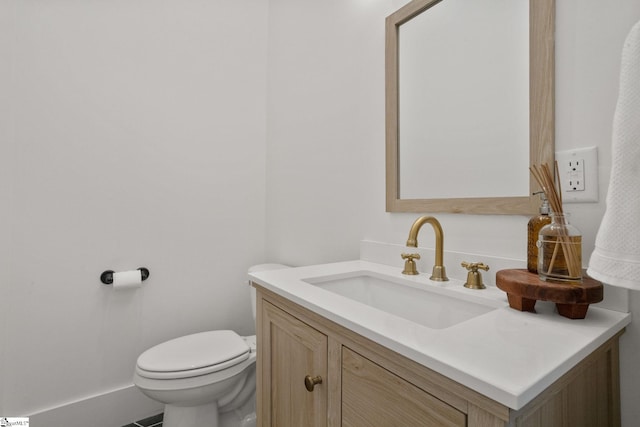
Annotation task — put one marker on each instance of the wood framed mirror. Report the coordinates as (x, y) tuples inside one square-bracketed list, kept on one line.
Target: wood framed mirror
[(427, 130)]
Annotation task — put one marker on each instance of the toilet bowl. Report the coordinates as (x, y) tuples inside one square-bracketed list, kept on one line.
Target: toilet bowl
[(198, 376), (202, 375)]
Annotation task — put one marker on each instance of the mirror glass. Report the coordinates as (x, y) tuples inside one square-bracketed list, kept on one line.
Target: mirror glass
[(466, 80)]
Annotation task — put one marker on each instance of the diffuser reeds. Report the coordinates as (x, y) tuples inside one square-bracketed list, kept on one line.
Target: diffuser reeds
[(565, 261)]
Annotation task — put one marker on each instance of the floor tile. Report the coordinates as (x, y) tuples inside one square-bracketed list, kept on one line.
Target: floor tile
[(151, 421), (154, 421)]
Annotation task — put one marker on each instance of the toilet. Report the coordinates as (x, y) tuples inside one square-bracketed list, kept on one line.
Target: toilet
[(200, 376)]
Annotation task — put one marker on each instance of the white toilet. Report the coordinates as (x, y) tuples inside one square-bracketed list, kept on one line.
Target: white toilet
[(200, 376)]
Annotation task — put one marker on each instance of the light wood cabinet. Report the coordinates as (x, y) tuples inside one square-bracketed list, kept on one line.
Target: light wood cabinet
[(365, 384), (292, 351), (371, 396)]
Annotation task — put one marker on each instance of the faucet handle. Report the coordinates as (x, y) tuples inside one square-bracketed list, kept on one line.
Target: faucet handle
[(474, 266), (474, 277), (410, 264)]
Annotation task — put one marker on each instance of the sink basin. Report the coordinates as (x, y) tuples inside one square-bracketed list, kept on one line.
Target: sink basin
[(402, 298)]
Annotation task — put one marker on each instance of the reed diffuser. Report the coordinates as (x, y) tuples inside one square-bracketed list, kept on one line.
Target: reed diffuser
[(559, 243)]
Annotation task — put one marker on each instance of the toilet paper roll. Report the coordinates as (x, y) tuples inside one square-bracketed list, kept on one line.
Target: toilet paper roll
[(127, 279)]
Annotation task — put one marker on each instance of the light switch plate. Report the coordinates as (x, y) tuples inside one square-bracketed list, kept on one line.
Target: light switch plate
[(578, 169)]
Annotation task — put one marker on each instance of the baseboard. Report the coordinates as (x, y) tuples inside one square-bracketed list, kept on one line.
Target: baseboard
[(114, 408)]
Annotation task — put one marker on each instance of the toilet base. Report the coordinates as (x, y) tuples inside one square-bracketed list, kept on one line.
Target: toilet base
[(191, 416)]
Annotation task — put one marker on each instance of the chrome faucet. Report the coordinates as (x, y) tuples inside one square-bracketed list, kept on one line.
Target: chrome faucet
[(439, 274)]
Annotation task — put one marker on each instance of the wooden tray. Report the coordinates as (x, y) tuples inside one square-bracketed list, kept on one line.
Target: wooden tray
[(572, 299)]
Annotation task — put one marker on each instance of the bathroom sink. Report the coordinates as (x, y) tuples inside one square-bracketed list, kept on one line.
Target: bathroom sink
[(432, 308)]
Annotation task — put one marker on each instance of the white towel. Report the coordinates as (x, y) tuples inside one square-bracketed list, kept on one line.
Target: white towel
[(616, 258)]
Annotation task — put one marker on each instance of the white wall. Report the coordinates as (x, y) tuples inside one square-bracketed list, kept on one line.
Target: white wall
[(326, 77), (134, 131), (325, 157), (6, 148)]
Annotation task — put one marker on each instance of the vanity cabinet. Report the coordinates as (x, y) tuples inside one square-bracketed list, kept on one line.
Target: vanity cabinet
[(364, 384), (291, 350)]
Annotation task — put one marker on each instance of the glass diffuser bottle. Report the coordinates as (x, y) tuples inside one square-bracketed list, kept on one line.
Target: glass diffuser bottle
[(560, 251)]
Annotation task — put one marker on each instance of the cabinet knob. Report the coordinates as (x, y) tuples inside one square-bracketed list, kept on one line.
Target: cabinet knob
[(310, 382)]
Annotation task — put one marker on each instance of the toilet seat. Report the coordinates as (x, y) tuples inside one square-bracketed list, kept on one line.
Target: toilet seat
[(193, 355)]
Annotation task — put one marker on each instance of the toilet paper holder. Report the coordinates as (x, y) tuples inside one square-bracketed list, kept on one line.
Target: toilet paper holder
[(107, 276)]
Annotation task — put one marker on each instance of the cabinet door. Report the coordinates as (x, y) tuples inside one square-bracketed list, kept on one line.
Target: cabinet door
[(373, 396), (290, 351)]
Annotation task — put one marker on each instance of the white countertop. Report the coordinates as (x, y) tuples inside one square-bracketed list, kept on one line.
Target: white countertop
[(506, 355)]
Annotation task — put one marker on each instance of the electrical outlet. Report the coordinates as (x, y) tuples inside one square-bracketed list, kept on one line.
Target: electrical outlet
[(578, 169), (575, 175)]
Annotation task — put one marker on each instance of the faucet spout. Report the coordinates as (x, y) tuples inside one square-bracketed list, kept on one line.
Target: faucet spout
[(439, 273)]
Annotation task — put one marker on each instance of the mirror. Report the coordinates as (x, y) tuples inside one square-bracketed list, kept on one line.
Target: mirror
[(469, 99)]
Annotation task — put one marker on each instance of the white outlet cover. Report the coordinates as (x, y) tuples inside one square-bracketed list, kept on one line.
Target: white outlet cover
[(587, 159)]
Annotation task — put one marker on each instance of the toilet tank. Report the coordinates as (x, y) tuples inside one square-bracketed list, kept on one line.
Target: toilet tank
[(252, 290)]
